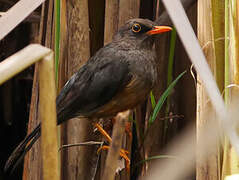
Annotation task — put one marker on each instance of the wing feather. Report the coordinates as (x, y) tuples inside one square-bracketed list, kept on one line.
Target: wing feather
[(92, 88)]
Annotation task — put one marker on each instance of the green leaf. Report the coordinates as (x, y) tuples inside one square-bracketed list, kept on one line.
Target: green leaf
[(163, 98), (152, 98), (57, 36), (170, 64), (171, 56)]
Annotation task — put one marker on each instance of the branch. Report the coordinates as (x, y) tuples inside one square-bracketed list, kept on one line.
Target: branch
[(114, 151), (164, 18), (90, 143)]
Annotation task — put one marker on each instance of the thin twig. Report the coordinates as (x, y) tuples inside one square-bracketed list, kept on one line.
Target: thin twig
[(89, 143), (171, 117)]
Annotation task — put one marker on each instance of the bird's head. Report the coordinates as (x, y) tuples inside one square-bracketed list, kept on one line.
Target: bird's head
[(139, 32)]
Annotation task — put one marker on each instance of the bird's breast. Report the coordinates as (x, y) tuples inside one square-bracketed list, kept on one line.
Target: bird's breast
[(143, 71)]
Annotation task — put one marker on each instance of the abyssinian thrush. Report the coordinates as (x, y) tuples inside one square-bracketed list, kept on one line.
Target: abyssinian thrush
[(118, 77)]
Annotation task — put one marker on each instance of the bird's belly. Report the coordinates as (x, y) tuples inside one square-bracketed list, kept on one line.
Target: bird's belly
[(126, 99)]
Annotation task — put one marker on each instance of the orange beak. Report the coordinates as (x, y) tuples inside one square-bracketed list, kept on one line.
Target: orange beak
[(159, 29)]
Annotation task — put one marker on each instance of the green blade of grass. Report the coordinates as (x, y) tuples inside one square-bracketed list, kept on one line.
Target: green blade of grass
[(163, 98), (152, 98), (57, 36), (171, 56), (170, 74)]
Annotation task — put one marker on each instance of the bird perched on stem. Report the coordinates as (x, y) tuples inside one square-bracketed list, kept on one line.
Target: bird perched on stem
[(118, 77)]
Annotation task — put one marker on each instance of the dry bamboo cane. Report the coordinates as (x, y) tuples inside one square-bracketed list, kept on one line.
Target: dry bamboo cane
[(17, 63), (16, 14), (209, 167), (113, 155), (21, 60), (230, 164), (48, 117), (77, 163)]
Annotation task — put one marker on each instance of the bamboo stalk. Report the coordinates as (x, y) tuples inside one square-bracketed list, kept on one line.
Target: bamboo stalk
[(230, 157), (128, 9), (111, 19), (21, 60), (226, 50), (33, 159), (62, 76), (79, 162), (16, 14), (236, 32), (110, 27), (209, 30), (113, 154), (17, 63), (218, 10), (48, 116)]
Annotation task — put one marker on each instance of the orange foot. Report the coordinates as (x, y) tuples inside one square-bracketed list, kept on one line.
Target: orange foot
[(123, 153)]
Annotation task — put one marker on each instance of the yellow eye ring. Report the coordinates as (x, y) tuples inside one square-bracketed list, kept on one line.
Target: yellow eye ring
[(136, 28)]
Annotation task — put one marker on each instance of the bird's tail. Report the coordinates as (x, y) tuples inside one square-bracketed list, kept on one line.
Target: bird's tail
[(18, 154)]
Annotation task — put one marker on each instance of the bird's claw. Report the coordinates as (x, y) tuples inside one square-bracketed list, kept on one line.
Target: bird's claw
[(123, 154)]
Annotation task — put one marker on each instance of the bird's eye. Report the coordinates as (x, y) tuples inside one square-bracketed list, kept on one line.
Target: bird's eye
[(136, 28)]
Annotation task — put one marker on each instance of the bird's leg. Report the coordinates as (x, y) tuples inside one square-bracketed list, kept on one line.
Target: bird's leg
[(123, 153), (103, 132)]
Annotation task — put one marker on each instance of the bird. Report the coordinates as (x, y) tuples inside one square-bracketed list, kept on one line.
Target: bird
[(118, 77)]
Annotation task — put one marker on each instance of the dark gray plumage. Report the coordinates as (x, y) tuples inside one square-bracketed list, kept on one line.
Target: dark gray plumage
[(118, 77)]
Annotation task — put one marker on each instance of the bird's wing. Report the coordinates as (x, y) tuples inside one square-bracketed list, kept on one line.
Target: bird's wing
[(91, 88)]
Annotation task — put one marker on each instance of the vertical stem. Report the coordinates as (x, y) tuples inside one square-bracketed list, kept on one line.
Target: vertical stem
[(226, 50), (113, 155), (226, 166), (236, 32), (170, 75), (79, 162), (171, 56), (230, 156), (48, 117), (57, 35), (111, 19), (33, 160), (207, 168)]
